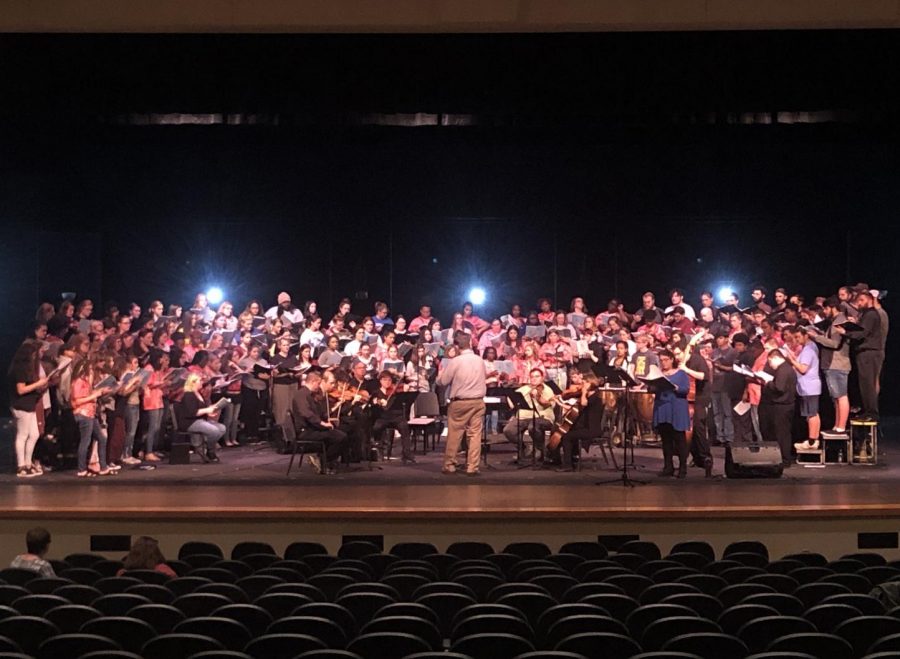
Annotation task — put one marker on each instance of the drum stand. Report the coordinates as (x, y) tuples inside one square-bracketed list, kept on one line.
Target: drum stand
[(625, 480)]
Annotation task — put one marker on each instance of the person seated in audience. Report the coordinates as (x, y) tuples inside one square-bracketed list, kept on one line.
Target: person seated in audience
[(37, 543), (146, 555)]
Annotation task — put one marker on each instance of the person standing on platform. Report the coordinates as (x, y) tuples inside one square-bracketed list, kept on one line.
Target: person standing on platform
[(835, 357), (809, 385), (464, 377)]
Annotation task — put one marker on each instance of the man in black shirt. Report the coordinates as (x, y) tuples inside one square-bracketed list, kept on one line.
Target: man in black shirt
[(389, 414), (310, 410), (588, 424), (699, 366), (776, 405), (869, 353)]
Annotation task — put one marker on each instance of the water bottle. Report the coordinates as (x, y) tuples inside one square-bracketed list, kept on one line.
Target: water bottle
[(841, 456)]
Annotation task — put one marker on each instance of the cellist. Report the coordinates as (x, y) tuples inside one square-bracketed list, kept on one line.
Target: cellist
[(587, 425)]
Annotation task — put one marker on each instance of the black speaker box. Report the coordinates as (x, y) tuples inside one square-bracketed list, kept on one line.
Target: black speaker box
[(753, 460)]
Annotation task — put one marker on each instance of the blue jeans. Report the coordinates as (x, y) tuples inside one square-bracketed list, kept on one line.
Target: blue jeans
[(722, 413), (89, 429), (132, 416), (211, 430), (154, 422)]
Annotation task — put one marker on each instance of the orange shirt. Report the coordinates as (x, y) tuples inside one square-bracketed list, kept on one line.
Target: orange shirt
[(81, 388)]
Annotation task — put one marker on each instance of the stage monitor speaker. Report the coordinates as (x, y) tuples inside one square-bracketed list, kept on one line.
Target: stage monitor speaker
[(753, 460), (180, 453)]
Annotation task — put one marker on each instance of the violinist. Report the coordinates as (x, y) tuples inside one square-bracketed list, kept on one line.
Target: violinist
[(310, 413), (350, 404), (541, 398), (587, 425), (389, 414)]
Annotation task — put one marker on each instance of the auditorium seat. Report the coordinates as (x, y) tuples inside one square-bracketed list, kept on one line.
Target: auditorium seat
[(178, 646), (280, 605), (760, 632), (492, 646), (332, 654), (817, 644), (154, 593), (492, 623), (327, 631), (689, 559), (258, 561), (630, 560), (66, 646), (855, 582), (199, 547), (194, 605), (528, 549), (358, 549), (232, 592), (786, 605), (781, 583), (658, 592), (186, 585), (706, 606), (75, 593), (424, 629), (695, 547), (807, 558), (201, 560), (301, 549), (387, 645), (708, 645), (256, 619), (243, 549), (659, 632), (46, 585), (9, 645), (128, 632), (474, 550), (113, 585), (37, 605), (600, 644), (82, 560), (733, 594), (735, 617), (28, 632), (230, 633), (70, 617), (645, 614), (162, 617), (746, 546), (868, 605)]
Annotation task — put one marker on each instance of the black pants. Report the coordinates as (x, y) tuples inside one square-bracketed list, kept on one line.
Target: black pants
[(700, 438), (570, 444), (775, 423), (253, 402), (359, 430), (335, 443), (391, 422), (743, 426), (868, 366), (673, 442)]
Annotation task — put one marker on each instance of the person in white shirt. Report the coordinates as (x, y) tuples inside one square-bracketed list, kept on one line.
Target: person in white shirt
[(289, 312), (312, 335), (676, 295), (359, 337)]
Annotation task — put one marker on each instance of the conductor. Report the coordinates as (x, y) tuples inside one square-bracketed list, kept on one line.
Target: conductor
[(464, 376)]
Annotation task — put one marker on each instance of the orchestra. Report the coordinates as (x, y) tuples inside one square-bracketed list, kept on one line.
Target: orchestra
[(114, 381)]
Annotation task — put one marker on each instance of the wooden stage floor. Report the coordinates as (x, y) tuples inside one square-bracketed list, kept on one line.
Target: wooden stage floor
[(251, 484)]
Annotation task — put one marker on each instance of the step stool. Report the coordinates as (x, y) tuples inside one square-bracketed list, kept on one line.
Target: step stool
[(811, 457), (864, 438), (842, 440)]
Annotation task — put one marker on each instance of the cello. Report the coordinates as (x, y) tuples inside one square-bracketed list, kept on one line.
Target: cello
[(568, 417)]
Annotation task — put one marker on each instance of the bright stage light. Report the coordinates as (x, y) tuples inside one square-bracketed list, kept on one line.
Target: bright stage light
[(214, 295), (725, 292), (477, 295)]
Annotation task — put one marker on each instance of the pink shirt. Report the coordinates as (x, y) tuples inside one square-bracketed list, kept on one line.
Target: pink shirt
[(556, 356), (81, 388), (418, 323), (153, 396)]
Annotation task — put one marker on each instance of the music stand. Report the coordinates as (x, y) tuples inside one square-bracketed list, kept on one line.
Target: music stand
[(501, 394), (627, 381), (521, 403)]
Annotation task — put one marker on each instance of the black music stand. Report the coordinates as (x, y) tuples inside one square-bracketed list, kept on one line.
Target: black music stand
[(502, 393), (521, 403), (622, 376)]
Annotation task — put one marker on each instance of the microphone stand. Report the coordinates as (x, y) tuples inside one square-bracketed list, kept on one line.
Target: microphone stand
[(625, 480)]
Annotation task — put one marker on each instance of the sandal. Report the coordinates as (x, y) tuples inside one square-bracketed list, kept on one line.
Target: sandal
[(107, 472), (86, 474)]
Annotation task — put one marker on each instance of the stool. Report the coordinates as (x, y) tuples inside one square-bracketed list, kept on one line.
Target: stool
[(842, 439), (864, 434), (180, 452), (812, 457)]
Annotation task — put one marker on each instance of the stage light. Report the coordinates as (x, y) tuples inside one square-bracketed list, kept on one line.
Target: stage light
[(477, 295), (214, 295), (725, 292)]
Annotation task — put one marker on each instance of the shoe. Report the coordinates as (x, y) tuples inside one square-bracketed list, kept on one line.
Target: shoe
[(786, 465), (707, 466), (682, 473), (666, 473), (86, 474), (26, 472), (807, 446), (114, 468), (106, 472), (36, 468), (473, 473), (151, 457), (212, 457), (315, 462), (409, 460), (563, 470)]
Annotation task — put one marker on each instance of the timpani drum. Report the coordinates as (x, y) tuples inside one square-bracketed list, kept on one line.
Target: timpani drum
[(641, 406)]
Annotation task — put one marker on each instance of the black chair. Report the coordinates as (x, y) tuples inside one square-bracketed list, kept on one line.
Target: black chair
[(113, 585), (878, 574), (297, 566), (409, 566), (528, 549), (786, 605), (82, 575), (358, 549), (46, 585), (533, 605), (869, 559), (198, 605), (629, 560), (220, 654), (257, 562), (227, 590), (648, 550), (255, 619), (889, 643), (527, 568), (243, 549), (481, 583), (364, 606), (69, 618), (781, 583), (111, 654), (470, 549), (749, 559), (708, 645), (327, 631), (408, 609), (197, 561), (118, 603), (256, 585), (846, 566), (162, 617), (672, 574), (581, 590), (658, 592), (560, 611), (445, 606), (387, 645), (580, 624), (555, 584), (644, 615), (710, 584), (478, 610), (405, 584), (443, 563), (38, 605), (331, 584), (28, 632), (810, 574), (156, 594), (618, 606), (855, 582), (739, 575), (178, 646), (746, 546), (515, 587), (303, 444), (492, 646), (280, 605), (66, 646), (379, 564), (718, 567), (297, 551), (108, 568), (308, 591), (474, 566), (583, 569), (861, 632), (587, 550), (695, 547), (413, 549), (690, 559), (706, 606), (566, 561), (186, 585), (75, 593), (9, 646), (632, 584), (825, 617), (82, 560), (333, 654), (230, 633), (816, 644), (318, 562), (659, 632), (330, 611), (148, 576), (735, 617), (196, 547), (814, 593), (129, 633), (779, 655), (600, 644), (758, 634), (424, 629), (868, 605), (492, 624), (214, 574)]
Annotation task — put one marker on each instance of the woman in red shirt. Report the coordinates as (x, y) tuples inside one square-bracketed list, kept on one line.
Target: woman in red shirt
[(84, 407)]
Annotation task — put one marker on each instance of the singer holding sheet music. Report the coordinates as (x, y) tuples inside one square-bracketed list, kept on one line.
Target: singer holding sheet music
[(195, 414), (671, 417)]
